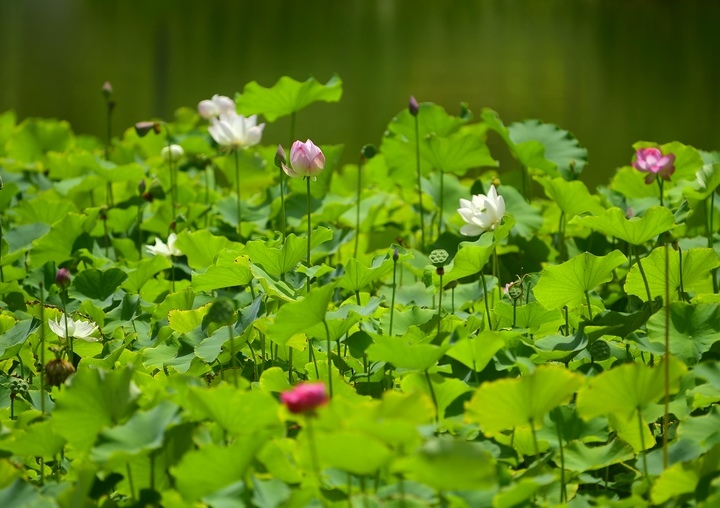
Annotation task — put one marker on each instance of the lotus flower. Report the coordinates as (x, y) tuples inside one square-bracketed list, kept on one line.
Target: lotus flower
[(163, 249), (306, 159), (652, 161), (482, 213), (62, 278), (172, 153), (218, 105), (231, 130), (305, 397), (78, 329)]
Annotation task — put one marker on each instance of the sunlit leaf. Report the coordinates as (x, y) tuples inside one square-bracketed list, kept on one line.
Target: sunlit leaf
[(693, 329), (636, 230)]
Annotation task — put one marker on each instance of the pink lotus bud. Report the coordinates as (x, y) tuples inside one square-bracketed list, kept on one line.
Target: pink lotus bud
[(107, 90), (652, 161), (142, 128), (62, 278), (413, 106), (305, 397), (280, 157), (306, 159)]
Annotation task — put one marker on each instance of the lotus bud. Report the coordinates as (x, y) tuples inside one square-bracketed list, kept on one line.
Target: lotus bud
[(172, 153), (305, 397), (413, 106), (107, 90), (396, 255), (63, 278), (142, 128), (368, 152), (280, 157), (142, 186)]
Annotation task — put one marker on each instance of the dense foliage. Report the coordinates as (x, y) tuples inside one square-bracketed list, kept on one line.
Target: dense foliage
[(158, 305)]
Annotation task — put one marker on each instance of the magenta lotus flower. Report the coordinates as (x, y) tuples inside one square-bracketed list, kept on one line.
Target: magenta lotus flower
[(306, 159), (653, 162), (62, 278), (305, 397)]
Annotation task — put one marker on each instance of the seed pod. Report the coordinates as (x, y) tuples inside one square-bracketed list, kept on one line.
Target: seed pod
[(57, 371), (438, 257), (18, 386), (599, 350), (515, 291)]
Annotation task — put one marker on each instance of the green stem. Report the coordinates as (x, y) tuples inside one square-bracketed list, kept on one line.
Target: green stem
[(587, 298), (130, 481), (439, 309), (139, 233), (282, 201), (660, 185), (237, 190), (357, 212), (666, 409), (42, 349), (514, 313), (442, 196), (208, 168), (290, 365), (68, 338), (534, 436), (233, 357), (642, 445), (680, 273), (172, 273), (432, 395), (309, 234), (329, 355), (419, 181), (487, 304), (642, 273), (392, 299), (313, 450), (2, 274)]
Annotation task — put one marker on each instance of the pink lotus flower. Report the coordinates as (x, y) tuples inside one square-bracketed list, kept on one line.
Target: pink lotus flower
[(653, 162), (63, 278), (305, 397), (306, 159)]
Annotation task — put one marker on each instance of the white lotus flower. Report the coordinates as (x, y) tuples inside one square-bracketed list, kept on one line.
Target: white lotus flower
[(77, 329), (172, 152), (163, 249), (218, 105), (235, 131), (482, 213)]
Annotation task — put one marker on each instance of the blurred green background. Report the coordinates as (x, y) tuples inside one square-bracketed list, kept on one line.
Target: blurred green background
[(610, 71)]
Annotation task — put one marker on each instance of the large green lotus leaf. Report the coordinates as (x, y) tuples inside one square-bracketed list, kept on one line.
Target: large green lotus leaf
[(279, 260), (622, 390), (431, 119), (182, 300), (528, 218), (357, 276), (635, 231), (287, 96), (403, 320), (201, 247), (696, 273), (693, 329), (34, 137), (143, 432), (229, 270), (508, 403), (471, 257), (352, 451), (450, 464), (13, 339), (523, 491), (273, 286), (143, 272), (530, 153), (98, 284), (39, 439), (402, 354), (297, 317), (239, 413), (212, 467), (73, 163), (21, 494), (476, 352), (630, 182), (573, 198), (185, 321), (95, 399), (59, 243), (458, 152), (580, 457), (678, 479), (46, 209), (445, 389), (561, 147), (706, 181), (533, 316), (703, 430), (566, 284)]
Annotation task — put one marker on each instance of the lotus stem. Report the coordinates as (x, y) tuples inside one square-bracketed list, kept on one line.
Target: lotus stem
[(587, 298), (392, 299), (357, 212), (642, 272), (233, 357), (666, 409), (237, 190), (432, 395), (309, 234), (329, 355), (419, 181), (642, 445), (485, 298), (42, 348)]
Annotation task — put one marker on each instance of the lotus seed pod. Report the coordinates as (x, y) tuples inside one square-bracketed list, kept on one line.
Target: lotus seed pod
[(222, 312), (438, 257), (599, 350), (368, 151), (57, 371), (515, 291), (18, 386)]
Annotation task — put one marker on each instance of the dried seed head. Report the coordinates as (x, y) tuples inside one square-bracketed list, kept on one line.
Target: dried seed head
[(57, 371)]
